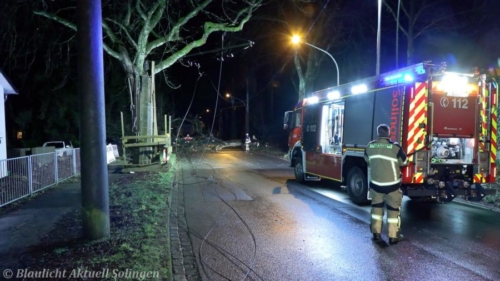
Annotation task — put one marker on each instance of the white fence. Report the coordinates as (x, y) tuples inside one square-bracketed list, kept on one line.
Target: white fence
[(23, 176)]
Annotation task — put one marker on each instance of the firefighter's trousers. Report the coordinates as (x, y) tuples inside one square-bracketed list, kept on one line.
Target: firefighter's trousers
[(393, 202)]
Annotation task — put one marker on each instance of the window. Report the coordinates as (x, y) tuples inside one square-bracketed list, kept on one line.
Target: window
[(333, 125), (297, 118)]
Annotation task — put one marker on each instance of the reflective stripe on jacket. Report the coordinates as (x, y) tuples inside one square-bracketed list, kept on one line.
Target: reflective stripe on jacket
[(385, 159)]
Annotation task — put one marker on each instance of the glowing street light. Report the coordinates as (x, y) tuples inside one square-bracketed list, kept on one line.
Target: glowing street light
[(296, 40), (377, 70)]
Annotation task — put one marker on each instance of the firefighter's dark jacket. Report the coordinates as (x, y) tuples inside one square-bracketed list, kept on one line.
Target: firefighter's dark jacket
[(385, 159)]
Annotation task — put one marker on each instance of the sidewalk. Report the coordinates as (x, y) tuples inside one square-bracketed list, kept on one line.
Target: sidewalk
[(23, 226)]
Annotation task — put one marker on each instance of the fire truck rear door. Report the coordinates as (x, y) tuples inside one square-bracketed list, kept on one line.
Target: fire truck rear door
[(311, 127), (311, 145)]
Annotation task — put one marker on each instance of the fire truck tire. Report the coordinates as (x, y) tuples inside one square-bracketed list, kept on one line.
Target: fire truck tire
[(298, 170), (357, 186)]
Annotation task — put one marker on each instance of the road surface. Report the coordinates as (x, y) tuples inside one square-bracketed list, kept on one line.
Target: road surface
[(249, 220)]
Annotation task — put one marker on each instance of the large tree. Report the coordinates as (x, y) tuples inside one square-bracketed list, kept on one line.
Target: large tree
[(163, 31)]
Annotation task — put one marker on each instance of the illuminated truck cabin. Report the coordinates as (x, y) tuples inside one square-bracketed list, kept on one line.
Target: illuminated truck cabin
[(444, 121)]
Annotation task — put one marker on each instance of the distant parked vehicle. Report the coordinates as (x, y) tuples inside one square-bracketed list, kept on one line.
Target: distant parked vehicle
[(62, 148)]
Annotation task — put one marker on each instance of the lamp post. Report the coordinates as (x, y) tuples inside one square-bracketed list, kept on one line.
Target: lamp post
[(397, 35), (296, 40), (377, 71), (232, 131), (247, 111)]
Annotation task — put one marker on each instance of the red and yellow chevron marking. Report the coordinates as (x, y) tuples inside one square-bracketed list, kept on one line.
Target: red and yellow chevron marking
[(493, 154), (484, 121), (418, 178), (478, 178), (417, 116)]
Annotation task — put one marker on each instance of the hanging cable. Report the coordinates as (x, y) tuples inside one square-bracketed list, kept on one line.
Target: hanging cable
[(187, 111), (216, 100)]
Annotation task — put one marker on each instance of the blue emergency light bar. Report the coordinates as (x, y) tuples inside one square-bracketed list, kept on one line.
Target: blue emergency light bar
[(417, 72), (403, 75)]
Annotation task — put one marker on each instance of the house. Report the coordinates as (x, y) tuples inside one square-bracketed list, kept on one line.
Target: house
[(5, 90)]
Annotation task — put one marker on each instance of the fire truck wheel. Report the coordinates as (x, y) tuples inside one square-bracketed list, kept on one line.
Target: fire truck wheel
[(299, 170), (357, 186)]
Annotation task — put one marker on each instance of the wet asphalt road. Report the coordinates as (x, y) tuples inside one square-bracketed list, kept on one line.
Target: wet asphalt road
[(249, 220)]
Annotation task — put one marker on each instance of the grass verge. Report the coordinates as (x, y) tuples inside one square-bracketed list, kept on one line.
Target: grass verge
[(138, 247)]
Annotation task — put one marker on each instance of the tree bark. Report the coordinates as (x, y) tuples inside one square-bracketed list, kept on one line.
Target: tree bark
[(145, 118)]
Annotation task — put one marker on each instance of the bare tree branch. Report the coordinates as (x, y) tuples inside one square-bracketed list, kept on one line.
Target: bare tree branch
[(209, 28), (54, 17), (123, 28), (72, 26), (174, 32)]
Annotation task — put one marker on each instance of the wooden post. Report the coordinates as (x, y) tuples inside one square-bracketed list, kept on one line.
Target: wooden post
[(170, 128), (153, 89), (123, 135)]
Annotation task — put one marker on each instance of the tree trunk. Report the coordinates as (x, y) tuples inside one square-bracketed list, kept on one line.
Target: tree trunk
[(145, 119), (302, 82)]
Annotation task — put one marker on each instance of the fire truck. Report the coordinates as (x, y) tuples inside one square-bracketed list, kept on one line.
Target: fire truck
[(445, 121)]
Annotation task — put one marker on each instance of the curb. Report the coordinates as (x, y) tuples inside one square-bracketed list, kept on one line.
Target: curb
[(476, 205), (183, 257)]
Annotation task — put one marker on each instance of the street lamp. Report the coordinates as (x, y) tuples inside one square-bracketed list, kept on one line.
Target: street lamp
[(232, 132), (235, 98), (296, 40), (377, 70)]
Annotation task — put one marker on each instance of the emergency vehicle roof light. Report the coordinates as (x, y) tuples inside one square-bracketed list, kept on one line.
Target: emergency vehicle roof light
[(312, 100), (333, 95), (359, 89), (398, 78), (454, 84)]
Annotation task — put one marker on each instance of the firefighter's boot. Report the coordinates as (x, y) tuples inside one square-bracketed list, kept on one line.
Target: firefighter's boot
[(394, 200), (393, 241)]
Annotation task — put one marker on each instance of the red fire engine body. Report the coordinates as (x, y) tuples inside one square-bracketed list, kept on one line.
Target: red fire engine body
[(446, 123)]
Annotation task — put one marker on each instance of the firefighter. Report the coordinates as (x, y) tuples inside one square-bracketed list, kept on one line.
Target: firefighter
[(385, 159)]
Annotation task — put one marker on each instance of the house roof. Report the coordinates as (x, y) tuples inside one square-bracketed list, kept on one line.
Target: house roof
[(8, 88)]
